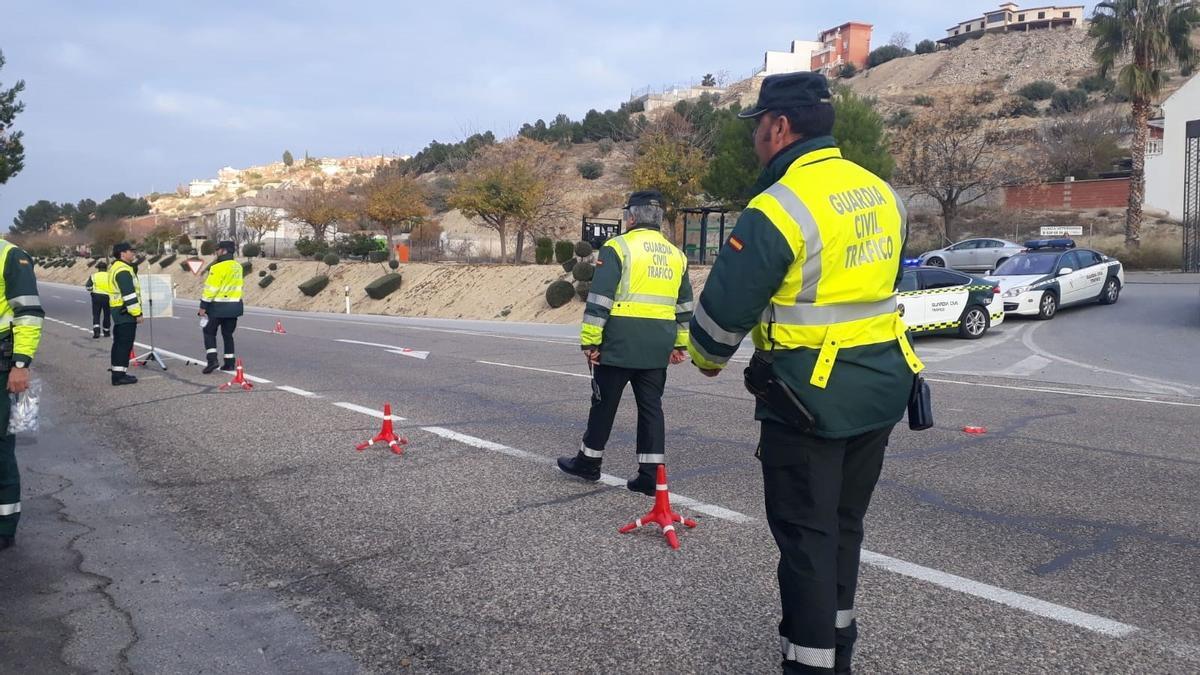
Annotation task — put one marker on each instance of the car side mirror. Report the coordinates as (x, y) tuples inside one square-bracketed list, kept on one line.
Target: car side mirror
[(1065, 271)]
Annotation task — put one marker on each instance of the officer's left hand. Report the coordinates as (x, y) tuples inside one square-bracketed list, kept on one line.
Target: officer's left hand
[(678, 356), (18, 380)]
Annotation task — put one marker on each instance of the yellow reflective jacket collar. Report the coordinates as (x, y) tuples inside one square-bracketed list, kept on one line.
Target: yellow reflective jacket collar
[(784, 159)]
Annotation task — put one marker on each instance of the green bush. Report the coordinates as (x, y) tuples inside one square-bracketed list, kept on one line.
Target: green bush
[(384, 286), (166, 262), (1068, 101), (314, 285), (926, 47), (605, 146), (543, 252), (394, 264), (273, 266), (265, 281), (563, 251), (331, 259), (377, 256), (583, 249), (1096, 83), (1037, 91), (886, 53), (559, 293), (583, 272), (570, 264), (582, 288), (983, 97), (847, 71), (900, 119), (308, 247), (1019, 107), (251, 250), (208, 247), (247, 268), (262, 273), (924, 101), (590, 169), (318, 256)]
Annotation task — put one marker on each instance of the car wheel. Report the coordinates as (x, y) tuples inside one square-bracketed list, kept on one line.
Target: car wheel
[(935, 262), (975, 322), (1048, 306), (1111, 292)]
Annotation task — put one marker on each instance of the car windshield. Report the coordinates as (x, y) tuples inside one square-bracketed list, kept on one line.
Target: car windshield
[(1028, 264)]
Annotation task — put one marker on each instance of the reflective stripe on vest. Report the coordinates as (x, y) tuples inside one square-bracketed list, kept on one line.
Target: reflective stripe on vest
[(115, 299), (652, 271), (845, 228)]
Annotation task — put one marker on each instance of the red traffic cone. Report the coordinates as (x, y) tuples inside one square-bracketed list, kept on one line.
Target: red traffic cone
[(239, 378), (661, 514), (279, 328), (133, 362), (386, 435), (975, 431)]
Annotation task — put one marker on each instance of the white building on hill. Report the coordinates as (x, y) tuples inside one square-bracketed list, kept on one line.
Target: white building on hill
[(799, 59), (1166, 161)]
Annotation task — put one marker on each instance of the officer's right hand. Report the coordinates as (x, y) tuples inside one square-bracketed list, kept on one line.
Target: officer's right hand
[(139, 319), (593, 356)]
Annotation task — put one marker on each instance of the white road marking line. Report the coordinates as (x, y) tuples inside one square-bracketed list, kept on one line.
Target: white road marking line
[(294, 390), (255, 379), (1066, 392), (1033, 347), (1025, 367), (411, 353), (377, 414), (256, 330), (1157, 388), (1049, 610), (81, 302), (540, 370)]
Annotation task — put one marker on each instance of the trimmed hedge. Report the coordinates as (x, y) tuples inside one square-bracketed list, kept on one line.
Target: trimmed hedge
[(331, 259), (154, 259), (570, 264), (583, 272), (559, 293), (251, 250), (582, 289), (377, 256), (394, 264), (265, 281), (165, 262), (208, 247), (583, 249), (384, 286), (273, 266), (262, 273), (247, 268), (314, 285), (563, 251), (543, 252)]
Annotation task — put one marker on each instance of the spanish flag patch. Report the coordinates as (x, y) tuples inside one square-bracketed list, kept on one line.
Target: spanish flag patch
[(736, 244)]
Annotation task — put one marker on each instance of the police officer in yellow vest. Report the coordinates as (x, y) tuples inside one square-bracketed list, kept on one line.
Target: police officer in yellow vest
[(125, 300), (20, 332), (97, 285), (809, 272), (221, 302), (635, 323)]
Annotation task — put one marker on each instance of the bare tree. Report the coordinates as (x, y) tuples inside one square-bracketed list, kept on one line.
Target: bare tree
[(1082, 146), (900, 39), (957, 158)]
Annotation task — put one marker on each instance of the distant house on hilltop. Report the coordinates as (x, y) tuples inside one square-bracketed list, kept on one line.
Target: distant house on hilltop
[(1010, 17), (849, 43), (797, 60)]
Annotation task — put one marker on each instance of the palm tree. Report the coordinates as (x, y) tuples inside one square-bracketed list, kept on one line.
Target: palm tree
[(1151, 35)]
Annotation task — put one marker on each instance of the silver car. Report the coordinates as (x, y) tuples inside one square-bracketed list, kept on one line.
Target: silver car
[(972, 254)]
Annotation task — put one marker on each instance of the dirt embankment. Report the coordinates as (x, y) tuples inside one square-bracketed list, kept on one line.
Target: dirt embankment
[(435, 290)]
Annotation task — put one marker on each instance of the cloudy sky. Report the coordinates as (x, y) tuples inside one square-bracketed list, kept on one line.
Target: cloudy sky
[(139, 96)]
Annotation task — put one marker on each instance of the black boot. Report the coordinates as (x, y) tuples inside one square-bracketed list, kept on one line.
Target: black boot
[(212, 365), (6, 542), (123, 378), (583, 467), (95, 332), (646, 481), (230, 365), (107, 333)]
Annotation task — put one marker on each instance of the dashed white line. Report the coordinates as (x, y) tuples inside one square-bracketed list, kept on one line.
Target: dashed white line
[(539, 370), (1049, 610), (373, 412), (296, 391)]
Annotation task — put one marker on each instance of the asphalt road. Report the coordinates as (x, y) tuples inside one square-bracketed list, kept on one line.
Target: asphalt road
[(1063, 540)]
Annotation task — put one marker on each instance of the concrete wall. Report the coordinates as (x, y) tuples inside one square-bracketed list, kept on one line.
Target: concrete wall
[(918, 203), (798, 59), (1164, 173)]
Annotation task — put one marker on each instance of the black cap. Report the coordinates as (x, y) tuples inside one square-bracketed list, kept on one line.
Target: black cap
[(120, 248), (790, 90), (101, 265), (227, 246), (645, 198)]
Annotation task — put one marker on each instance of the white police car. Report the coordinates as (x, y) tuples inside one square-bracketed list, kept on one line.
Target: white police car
[(1052, 273), (933, 300)]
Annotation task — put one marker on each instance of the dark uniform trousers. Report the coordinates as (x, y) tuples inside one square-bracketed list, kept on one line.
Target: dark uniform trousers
[(10, 480), (608, 383), (124, 335), (100, 309), (226, 326), (817, 491)]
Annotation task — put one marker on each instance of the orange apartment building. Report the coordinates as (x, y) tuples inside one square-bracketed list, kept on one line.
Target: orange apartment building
[(848, 43)]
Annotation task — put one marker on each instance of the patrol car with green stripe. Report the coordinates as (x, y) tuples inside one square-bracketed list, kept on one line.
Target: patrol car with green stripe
[(1052, 273), (933, 301)]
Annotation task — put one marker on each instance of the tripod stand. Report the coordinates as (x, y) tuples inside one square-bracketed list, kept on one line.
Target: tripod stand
[(151, 355)]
